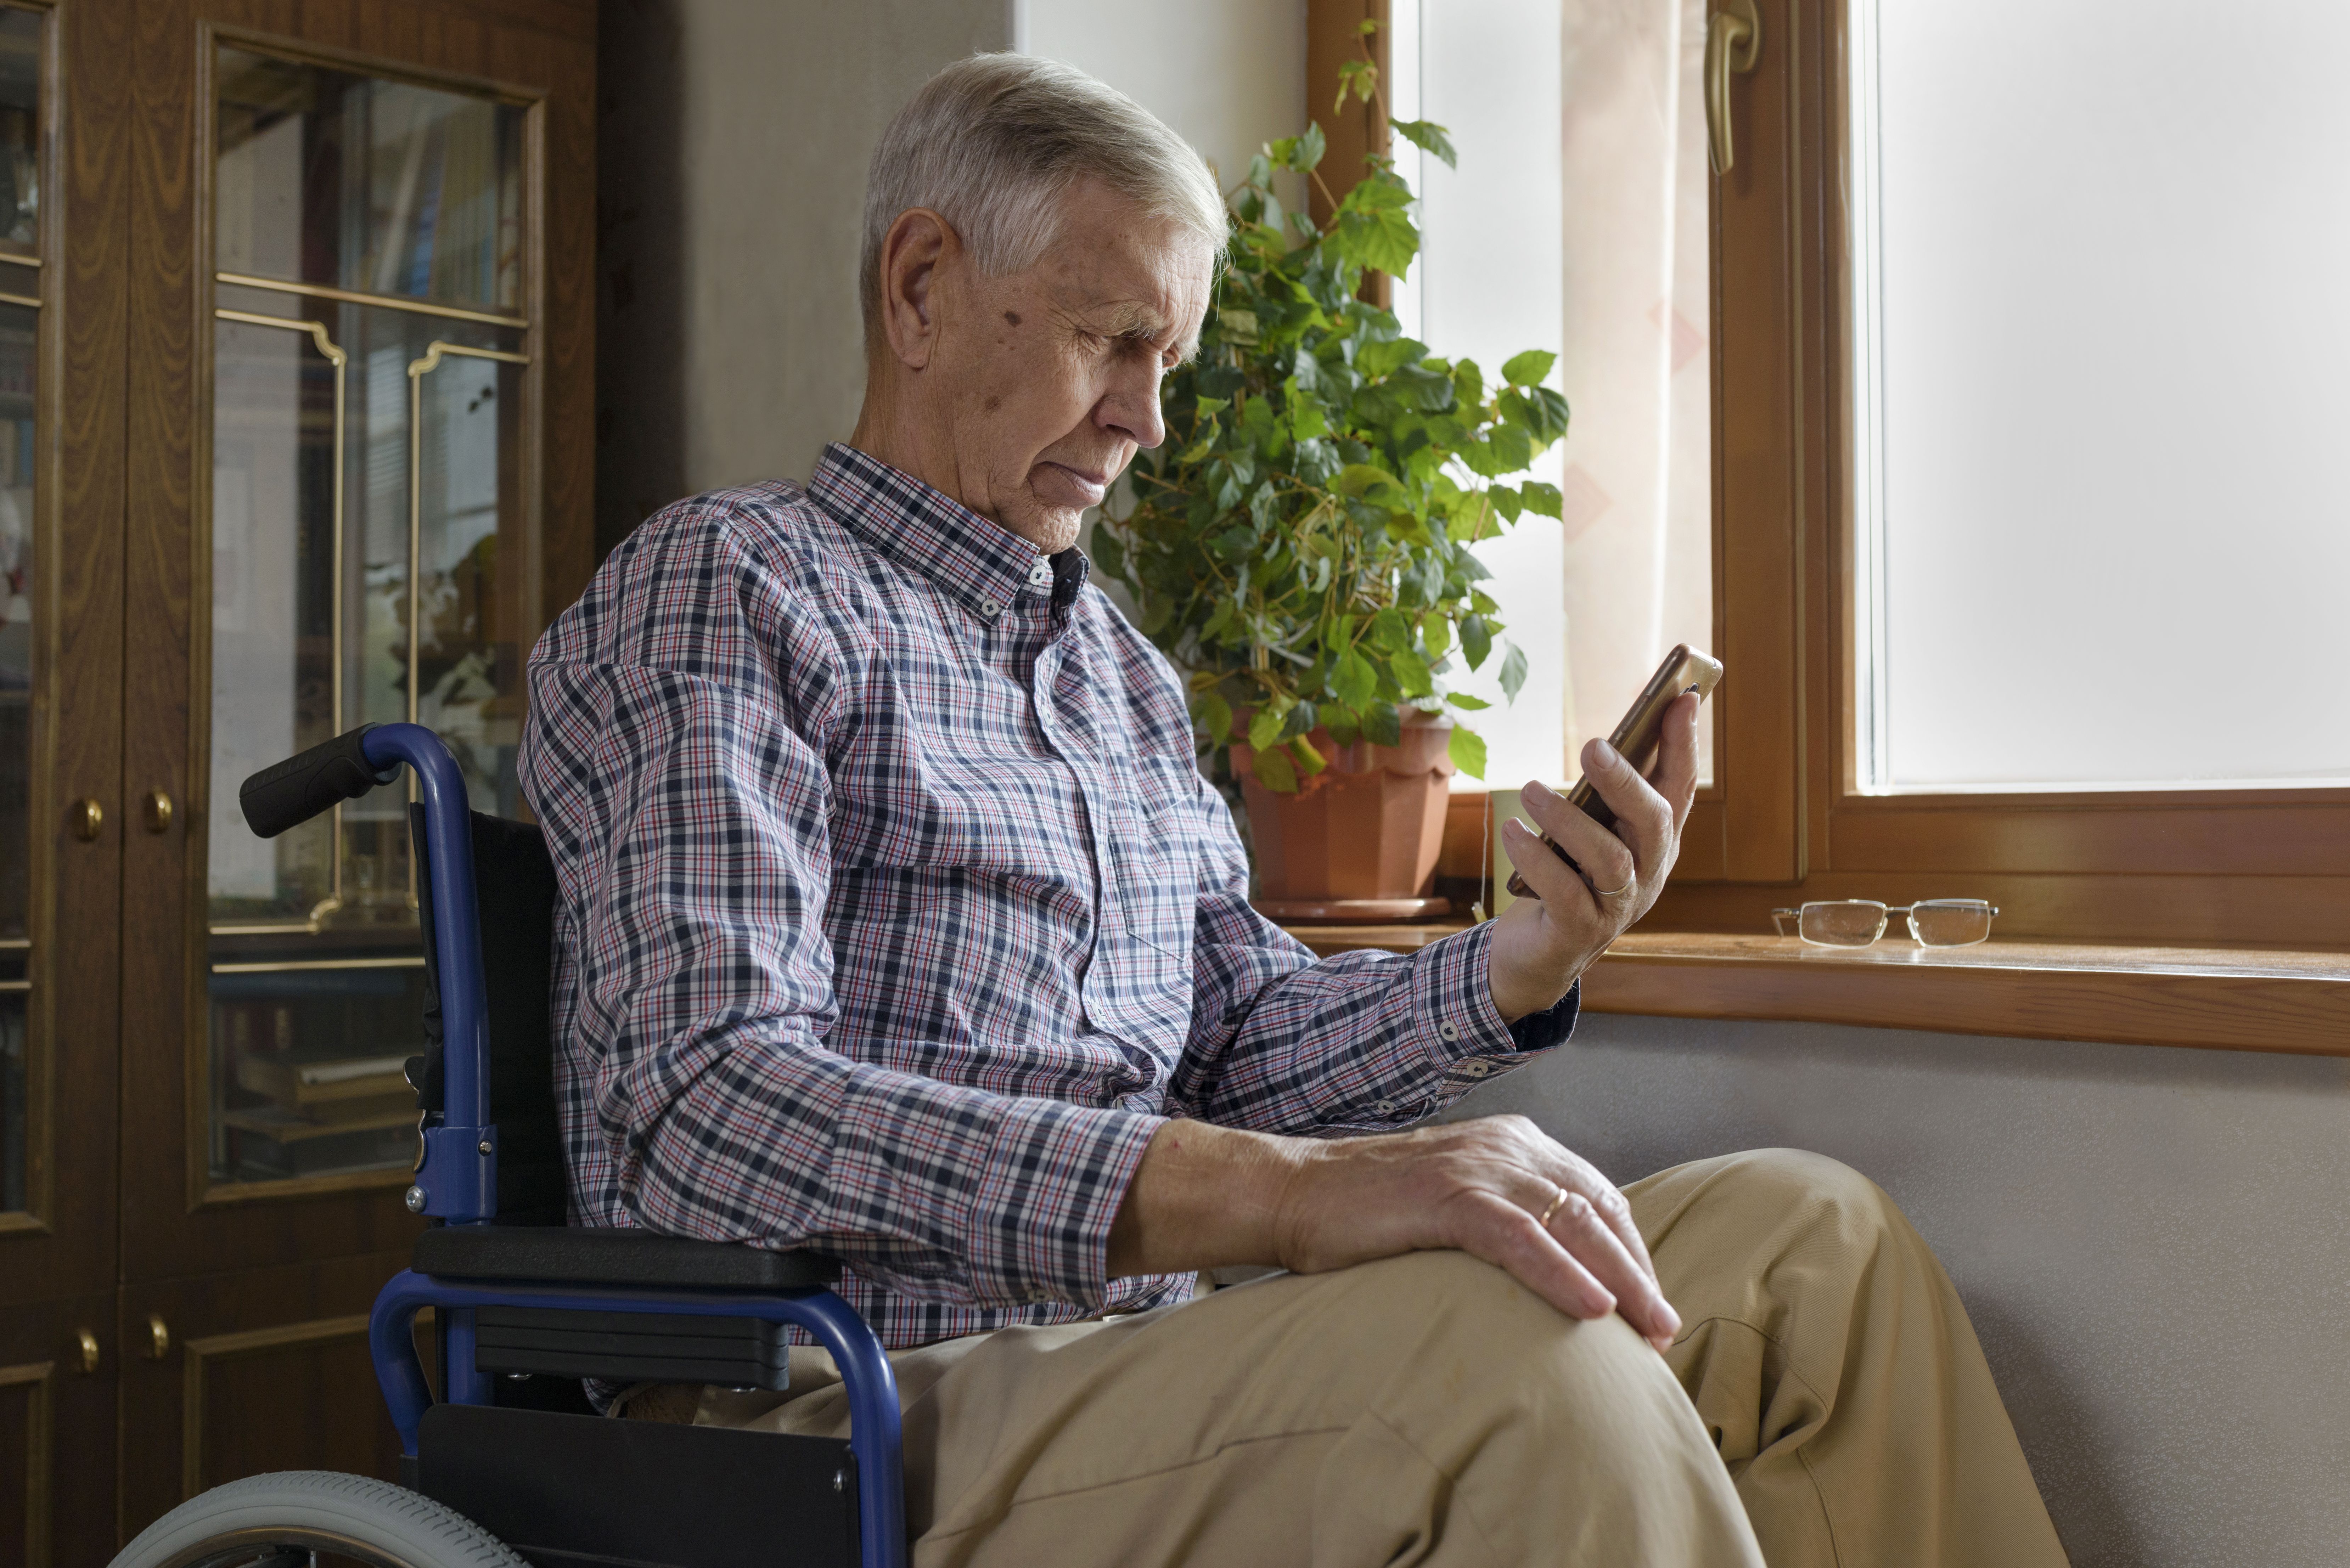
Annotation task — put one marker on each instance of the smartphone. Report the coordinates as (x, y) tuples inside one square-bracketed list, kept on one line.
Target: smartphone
[(1638, 735)]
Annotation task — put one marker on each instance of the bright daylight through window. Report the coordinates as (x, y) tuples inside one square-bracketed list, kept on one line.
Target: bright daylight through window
[(2099, 320), (1577, 219)]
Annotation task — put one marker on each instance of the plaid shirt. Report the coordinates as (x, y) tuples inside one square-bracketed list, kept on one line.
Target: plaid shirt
[(896, 916)]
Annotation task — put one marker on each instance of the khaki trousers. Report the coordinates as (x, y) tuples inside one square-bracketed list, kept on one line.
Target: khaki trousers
[(1825, 1404)]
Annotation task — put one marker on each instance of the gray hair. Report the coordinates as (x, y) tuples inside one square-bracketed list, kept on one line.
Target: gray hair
[(991, 143)]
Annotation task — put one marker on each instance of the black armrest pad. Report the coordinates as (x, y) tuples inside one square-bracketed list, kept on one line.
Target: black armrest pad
[(552, 1254)]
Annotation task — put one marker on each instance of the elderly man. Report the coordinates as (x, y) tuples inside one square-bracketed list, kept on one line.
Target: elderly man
[(897, 923)]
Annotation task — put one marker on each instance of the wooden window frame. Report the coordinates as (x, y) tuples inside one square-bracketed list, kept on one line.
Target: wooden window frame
[(2214, 917), (2189, 869)]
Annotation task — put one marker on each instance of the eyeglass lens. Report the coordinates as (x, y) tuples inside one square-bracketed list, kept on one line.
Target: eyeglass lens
[(1845, 923), (1950, 922)]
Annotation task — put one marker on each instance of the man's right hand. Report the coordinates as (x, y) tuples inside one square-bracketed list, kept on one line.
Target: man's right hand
[(1206, 1196)]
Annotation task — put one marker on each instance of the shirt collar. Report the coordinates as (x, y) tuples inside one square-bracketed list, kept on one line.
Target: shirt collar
[(980, 566)]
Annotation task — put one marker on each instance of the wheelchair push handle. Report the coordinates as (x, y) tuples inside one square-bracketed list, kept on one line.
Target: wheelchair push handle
[(289, 793)]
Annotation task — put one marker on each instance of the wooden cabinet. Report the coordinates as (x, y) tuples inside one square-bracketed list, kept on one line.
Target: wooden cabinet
[(296, 380)]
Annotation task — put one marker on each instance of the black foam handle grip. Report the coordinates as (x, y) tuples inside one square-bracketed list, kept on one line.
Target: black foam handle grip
[(289, 793)]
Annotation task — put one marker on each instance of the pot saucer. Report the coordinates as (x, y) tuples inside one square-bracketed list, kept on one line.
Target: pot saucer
[(1350, 911)]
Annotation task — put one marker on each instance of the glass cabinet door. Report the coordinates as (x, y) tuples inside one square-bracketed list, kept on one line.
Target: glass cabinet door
[(372, 559), (21, 593)]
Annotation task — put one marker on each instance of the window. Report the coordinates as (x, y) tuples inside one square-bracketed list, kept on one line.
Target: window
[(1948, 535), (2101, 538)]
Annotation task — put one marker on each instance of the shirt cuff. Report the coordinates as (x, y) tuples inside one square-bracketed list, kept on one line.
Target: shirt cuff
[(1456, 998), (1038, 1219)]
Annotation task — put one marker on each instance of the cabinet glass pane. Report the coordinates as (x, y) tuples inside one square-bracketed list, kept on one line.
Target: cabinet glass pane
[(378, 187), (370, 544), (20, 282)]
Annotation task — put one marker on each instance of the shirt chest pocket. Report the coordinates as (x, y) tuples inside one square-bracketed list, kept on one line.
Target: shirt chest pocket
[(1157, 853)]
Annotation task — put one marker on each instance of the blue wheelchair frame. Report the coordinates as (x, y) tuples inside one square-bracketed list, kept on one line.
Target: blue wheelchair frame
[(457, 1183)]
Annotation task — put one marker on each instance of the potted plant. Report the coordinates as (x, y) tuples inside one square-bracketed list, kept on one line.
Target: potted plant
[(1301, 542)]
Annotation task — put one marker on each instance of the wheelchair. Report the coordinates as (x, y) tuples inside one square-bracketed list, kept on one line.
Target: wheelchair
[(509, 1466)]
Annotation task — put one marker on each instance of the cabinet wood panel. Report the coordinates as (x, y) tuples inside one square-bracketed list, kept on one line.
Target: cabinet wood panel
[(57, 1434), (262, 1370)]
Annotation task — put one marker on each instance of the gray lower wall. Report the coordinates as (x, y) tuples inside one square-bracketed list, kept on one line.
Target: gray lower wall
[(2153, 1244)]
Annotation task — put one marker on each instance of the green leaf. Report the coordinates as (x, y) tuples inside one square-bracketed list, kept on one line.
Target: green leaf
[(1309, 761), (1265, 727), (1462, 701), (1429, 136), (1528, 369), (1543, 498), (1411, 673), (1390, 630), (1214, 716), (1513, 671), (1310, 147), (1383, 240), (1237, 326), (1354, 682), (1108, 553), (1538, 411), (1506, 501), (1382, 726), (1210, 406), (1358, 77), (1476, 639), (1274, 770), (1378, 359), (1468, 752), (1376, 486)]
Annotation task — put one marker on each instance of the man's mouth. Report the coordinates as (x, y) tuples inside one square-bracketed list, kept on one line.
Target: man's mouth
[(1092, 484)]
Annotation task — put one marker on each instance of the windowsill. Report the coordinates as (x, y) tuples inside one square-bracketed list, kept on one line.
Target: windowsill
[(2215, 998)]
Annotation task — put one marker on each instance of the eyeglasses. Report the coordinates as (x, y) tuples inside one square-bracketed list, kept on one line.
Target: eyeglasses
[(1857, 922)]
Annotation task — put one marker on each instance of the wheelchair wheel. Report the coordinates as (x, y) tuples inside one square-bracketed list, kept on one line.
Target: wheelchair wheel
[(292, 1518)]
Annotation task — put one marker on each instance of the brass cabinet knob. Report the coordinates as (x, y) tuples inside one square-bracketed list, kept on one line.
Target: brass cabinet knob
[(159, 1337), (159, 810), (88, 1351), (88, 817)]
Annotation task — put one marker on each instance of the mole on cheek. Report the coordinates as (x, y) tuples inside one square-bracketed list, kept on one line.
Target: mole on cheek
[(1011, 316), (992, 404)]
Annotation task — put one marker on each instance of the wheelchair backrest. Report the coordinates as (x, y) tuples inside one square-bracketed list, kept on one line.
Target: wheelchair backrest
[(514, 888)]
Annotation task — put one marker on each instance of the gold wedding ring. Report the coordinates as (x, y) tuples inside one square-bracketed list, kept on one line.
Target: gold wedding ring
[(1551, 1212)]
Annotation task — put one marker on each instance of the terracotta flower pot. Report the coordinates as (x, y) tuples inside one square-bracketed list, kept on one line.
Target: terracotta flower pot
[(1368, 826)]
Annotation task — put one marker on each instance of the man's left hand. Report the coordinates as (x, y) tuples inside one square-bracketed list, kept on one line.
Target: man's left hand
[(1542, 943)]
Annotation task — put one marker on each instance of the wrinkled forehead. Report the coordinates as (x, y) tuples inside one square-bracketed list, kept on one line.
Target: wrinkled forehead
[(1130, 272)]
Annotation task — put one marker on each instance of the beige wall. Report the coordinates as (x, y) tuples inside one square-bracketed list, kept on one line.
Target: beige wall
[(734, 139), (733, 136)]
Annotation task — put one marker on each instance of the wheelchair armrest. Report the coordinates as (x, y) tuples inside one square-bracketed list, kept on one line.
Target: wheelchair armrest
[(550, 1254)]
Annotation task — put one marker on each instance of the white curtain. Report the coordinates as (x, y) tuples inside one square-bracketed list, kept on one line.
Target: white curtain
[(1638, 530)]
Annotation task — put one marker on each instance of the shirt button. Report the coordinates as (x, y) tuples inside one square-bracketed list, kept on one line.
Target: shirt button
[(1475, 1068), (1040, 576), (1385, 1108), (988, 608), (1449, 1029)]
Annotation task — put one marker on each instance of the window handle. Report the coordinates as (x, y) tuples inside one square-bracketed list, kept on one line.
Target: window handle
[(1734, 42)]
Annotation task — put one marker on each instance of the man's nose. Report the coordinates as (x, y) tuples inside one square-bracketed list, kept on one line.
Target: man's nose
[(1131, 405)]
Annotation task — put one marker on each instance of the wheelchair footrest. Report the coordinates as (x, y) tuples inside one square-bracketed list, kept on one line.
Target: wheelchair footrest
[(584, 1492), (634, 1347)]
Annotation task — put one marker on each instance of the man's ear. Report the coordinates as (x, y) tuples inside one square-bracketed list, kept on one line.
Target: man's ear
[(918, 245)]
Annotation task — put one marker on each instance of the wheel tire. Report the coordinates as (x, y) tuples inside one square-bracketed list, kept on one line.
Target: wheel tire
[(354, 1516)]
